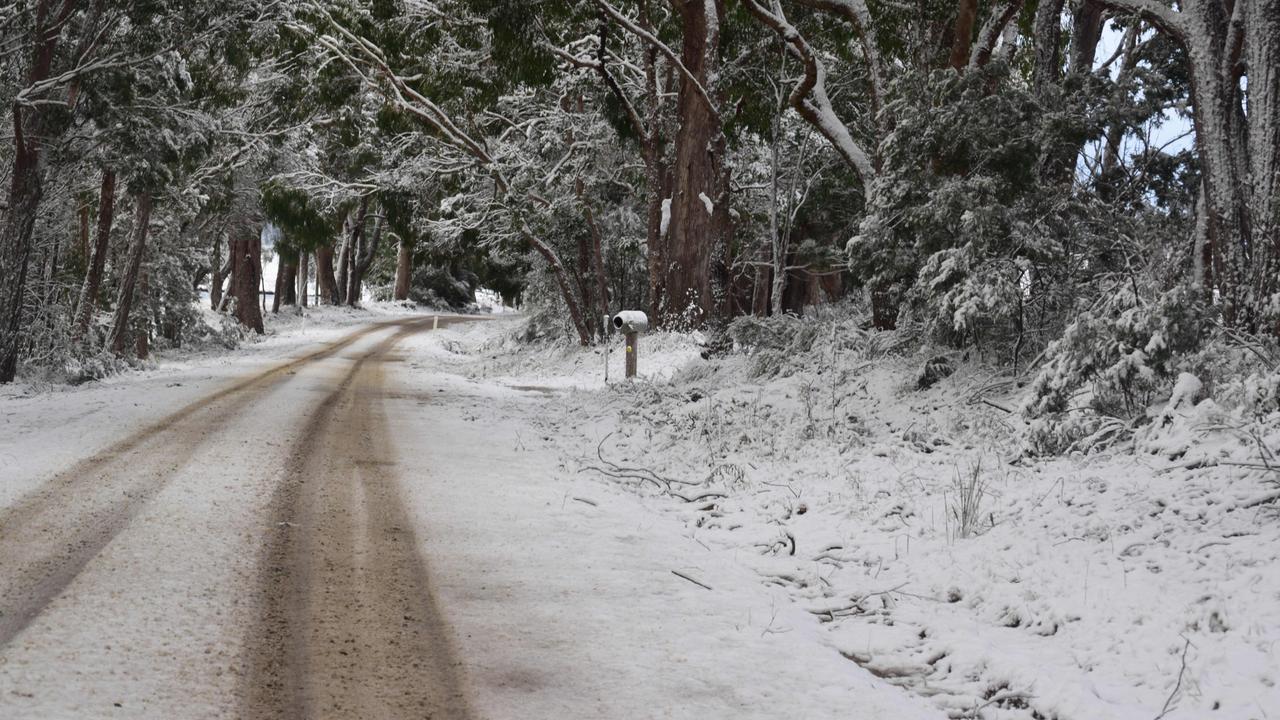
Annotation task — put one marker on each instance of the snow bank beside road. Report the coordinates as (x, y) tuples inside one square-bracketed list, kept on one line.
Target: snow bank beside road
[(564, 592), (1074, 589)]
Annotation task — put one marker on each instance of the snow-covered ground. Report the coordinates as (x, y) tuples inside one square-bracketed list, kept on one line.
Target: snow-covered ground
[(774, 533), (564, 596), (1142, 582)]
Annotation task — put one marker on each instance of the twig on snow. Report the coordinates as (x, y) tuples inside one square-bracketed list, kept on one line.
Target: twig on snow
[(702, 585), (997, 406), (1168, 704), (696, 498)]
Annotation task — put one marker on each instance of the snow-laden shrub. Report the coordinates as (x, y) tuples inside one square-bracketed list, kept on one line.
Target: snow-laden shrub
[(1111, 364), (782, 345), (1261, 392), (436, 286), (96, 365), (1243, 371), (228, 333), (780, 332)]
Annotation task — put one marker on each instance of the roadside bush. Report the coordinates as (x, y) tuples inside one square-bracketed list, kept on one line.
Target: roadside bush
[(436, 286), (1111, 364)]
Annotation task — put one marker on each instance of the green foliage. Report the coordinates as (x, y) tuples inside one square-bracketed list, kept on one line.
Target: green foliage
[(306, 225), (965, 229)]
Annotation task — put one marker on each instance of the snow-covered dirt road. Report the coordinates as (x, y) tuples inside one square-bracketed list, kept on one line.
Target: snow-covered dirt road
[(354, 532)]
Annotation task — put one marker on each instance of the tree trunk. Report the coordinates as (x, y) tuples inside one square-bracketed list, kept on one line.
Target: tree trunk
[(1214, 116), (760, 290), (82, 239), (304, 272), (26, 191), (404, 269), (657, 180), (777, 237), (291, 284), (884, 308), (582, 277), (365, 249), (1047, 32), (215, 273), (246, 252), (1086, 32), (262, 283), (597, 261), (288, 281), (355, 225), (326, 284), (1202, 245), (128, 281), (699, 204), (1262, 58), (93, 275), (142, 335), (562, 279), (277, 293), (962, 39)]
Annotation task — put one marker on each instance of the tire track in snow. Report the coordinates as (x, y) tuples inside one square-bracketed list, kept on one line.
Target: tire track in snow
[(349, 626), (48, 536)]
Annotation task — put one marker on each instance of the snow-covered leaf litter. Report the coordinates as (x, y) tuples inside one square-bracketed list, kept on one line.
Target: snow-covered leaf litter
[(1086, 583)]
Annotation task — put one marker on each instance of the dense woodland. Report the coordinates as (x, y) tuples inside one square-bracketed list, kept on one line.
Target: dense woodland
[(1086, 188)]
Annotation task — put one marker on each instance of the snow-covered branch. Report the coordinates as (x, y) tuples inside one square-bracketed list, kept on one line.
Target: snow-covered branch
[(991, 31), (809, 97), (857, 14), (1159, 15)]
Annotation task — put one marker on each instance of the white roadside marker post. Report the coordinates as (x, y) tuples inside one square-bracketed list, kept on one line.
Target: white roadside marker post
[(632, 323), (435, 322)]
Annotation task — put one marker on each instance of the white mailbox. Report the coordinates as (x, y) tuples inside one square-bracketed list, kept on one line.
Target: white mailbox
[(631, 321)]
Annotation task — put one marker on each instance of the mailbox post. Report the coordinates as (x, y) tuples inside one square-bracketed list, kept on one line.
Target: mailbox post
[(631, 323)]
